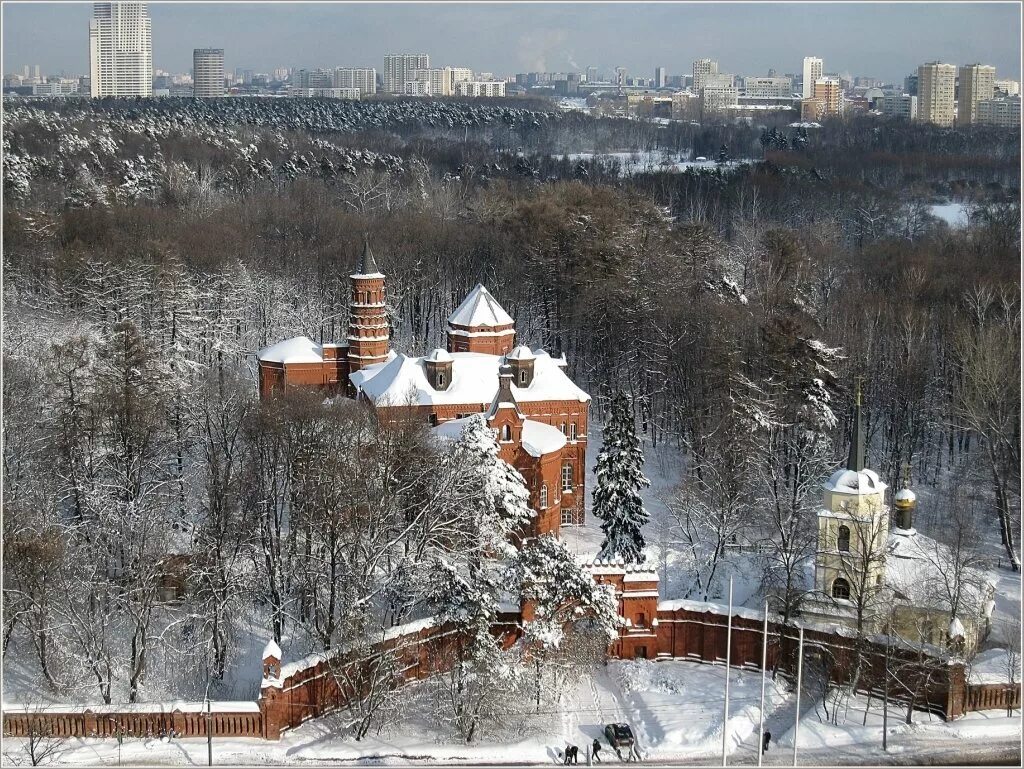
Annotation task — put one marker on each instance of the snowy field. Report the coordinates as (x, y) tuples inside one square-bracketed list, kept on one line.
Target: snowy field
[(651, 160), (953, 214), (675, 709)]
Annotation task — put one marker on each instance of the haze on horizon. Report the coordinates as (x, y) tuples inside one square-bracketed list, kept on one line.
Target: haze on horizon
[(887, 41)]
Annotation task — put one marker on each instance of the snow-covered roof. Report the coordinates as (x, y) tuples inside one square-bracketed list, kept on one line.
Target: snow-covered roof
[(437, 355), (540, 439), (914, 568), (479, 308), (184, 706), (993, 666), (861, 483), (272, 650), (474, 382), (299, 349), (906, 495), (522, 352)]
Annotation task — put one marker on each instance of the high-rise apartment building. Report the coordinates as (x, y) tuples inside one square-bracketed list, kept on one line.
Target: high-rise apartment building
[(701, 69), (207, 73), (365, 79), (977, 82), (936, 83), (120, 50), (830, 92), (591, 74), (493, 88), (812, 73), (898, 105), (398, 69), (313, 78), (660, 77)]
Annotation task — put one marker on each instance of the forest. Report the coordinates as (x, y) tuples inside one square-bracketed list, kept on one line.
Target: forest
[(151, 248)]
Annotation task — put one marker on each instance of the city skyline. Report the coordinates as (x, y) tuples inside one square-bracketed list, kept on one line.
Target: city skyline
[(745, 38)]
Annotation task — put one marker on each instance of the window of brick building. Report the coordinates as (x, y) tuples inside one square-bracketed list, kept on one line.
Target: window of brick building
[(567, 478), (543, 496)]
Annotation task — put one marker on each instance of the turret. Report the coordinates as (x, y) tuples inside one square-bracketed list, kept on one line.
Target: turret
[(905, 503), (480, 324), (369, 334)]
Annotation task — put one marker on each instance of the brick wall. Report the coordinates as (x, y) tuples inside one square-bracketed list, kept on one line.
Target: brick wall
[(184, 719)]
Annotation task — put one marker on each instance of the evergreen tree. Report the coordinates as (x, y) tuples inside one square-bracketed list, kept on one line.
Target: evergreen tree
[(723, 154), (620, 478)]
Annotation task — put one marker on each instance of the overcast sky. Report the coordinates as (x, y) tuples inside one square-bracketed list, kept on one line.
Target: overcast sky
[(885, 40)]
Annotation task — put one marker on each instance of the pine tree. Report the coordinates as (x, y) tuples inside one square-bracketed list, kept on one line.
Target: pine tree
[(617, 501)]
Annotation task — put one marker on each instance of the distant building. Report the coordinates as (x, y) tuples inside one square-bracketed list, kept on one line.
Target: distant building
[(441, 80), (492, 88), (910, 84), (365, 79), (1007, 87), (900, 106), (1004, 111), (829, 92), (660, 77), (398, 68), (120, 50), (591, 75), (702, 68), (325, 93), (715, 98), (935, 88), (312, 78), (718, 80), (58, 87), (812, 73), (767, 87), (977, 82), (207, 73)]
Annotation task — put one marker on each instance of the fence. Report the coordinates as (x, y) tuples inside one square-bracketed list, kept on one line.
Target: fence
[(186, 719)]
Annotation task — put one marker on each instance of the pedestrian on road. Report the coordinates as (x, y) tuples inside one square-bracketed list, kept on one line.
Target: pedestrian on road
[(568, 754), (597, 749), (575, 752), (765, 740)]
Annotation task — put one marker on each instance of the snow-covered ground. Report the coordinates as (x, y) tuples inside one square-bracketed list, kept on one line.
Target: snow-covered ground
[(953, 214), (642, 161), (674, 707)]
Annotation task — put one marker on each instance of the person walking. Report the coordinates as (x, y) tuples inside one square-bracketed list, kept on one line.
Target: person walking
[(596, 748), (567, 756), (765, 740), (575, 753)]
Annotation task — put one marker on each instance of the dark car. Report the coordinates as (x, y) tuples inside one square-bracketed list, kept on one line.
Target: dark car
[(619, 735)]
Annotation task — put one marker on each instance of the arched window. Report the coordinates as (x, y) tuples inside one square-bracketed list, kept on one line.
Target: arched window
[(522, 376), (843, 539), (440, 381), (543, 496), (841, 589), (567, 478), (506, 433)]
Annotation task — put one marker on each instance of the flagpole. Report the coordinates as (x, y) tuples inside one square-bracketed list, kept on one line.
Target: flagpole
[(764, 671), (799, 681), (728, 662)]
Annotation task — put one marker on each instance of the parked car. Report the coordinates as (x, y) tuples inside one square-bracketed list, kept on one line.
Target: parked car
[(619, 735)]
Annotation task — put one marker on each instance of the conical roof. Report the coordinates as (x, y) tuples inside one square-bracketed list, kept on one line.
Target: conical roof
[(479, 308), (367, 264)]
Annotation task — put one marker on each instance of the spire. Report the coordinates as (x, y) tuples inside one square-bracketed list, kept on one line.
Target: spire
[(367, 264), (504, 397), (856, 460)]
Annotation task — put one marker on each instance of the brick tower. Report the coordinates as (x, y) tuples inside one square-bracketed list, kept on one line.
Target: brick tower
[(369, 335)]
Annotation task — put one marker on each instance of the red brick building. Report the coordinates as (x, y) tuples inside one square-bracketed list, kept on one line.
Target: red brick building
[(539, 414)]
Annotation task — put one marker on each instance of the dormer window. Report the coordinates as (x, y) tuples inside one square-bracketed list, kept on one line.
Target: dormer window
[(522, 377), (506, 433), (440, 381)]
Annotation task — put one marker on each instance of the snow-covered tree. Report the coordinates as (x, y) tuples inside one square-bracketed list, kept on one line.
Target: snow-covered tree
[(495, 491), (620, 478)]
